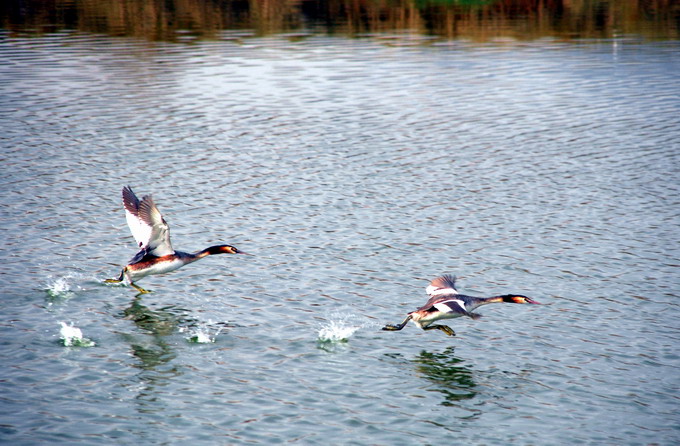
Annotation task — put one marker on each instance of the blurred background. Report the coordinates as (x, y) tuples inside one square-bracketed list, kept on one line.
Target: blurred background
[(478, 20)]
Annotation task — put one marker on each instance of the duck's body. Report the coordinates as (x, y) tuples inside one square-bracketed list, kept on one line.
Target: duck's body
[(149, 265), (152, 234), (446, 303)]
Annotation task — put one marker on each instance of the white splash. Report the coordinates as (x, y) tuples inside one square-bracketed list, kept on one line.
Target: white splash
[(73, 336), (60, 287), (66, 287), (339, 327), (201, 335)]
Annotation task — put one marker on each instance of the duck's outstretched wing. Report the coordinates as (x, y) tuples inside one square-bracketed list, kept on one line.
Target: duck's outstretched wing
[(440, 289), (442, 286), (147, 224)]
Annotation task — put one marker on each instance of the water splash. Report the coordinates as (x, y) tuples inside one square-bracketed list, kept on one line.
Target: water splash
[(339, 327), (60, 288), (73, 336), (201, 334)]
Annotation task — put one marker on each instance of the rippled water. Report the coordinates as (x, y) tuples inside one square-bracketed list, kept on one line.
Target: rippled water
[(355, 171)]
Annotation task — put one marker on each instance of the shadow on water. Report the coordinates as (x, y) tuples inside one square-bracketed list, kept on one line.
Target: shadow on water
[(445, 370), (481, 20)]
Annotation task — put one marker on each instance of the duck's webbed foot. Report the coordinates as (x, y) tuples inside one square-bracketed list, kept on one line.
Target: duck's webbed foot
[(390, 327), (139, 288), (132, 284), (118, 280), (443, 328)]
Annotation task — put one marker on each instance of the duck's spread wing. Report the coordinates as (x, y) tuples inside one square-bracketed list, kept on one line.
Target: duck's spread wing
[(147, 224), (442, 286)]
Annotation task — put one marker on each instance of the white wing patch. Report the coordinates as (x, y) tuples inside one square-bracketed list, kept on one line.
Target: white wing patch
[(441, 306), (436, 291), (140, 230)]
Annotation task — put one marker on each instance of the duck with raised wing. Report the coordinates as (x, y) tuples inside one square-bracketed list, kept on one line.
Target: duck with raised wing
[(152, 234), (446, 303)]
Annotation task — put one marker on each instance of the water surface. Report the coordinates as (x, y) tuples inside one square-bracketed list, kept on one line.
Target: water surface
[(355, 170)]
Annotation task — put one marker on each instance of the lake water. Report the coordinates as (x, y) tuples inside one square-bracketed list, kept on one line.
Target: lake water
[(355, 170)]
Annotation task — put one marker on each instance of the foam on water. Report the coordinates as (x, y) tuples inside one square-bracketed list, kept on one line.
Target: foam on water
[(73, 336)]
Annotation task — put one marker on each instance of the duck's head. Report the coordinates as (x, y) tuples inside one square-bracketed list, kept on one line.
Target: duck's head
[(519, 299), (225, 249)]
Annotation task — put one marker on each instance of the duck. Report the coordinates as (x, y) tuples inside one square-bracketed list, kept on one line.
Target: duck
[(446, 303), (151, 231)]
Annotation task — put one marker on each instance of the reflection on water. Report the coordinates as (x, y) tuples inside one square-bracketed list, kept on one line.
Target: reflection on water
[(152, 350), (161, 322), (187, 20), (452, 379)]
